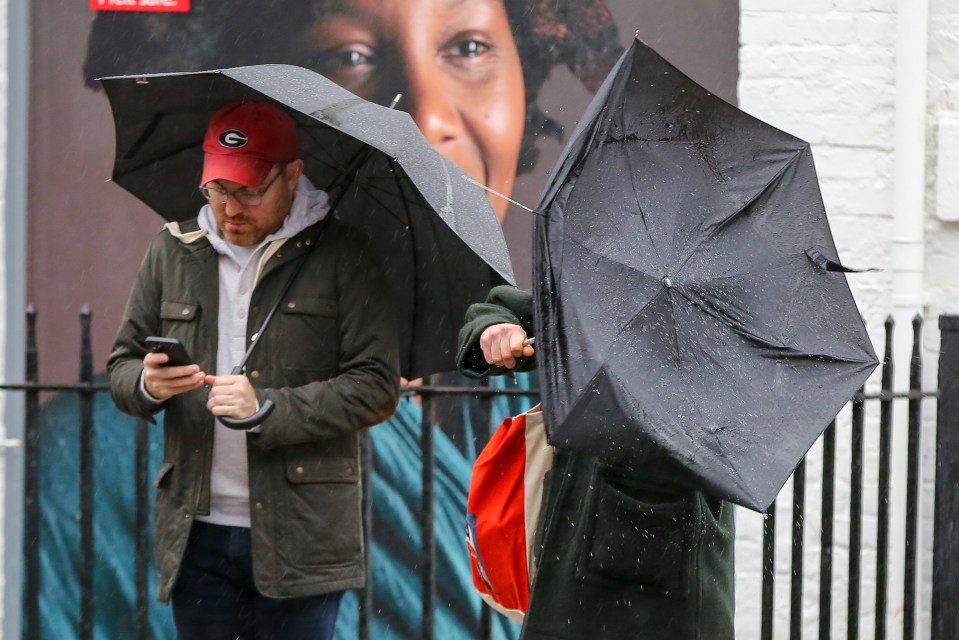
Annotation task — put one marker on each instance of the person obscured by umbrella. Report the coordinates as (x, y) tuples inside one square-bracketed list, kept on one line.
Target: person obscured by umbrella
[(697, 336), (627, 552), (258, 532)]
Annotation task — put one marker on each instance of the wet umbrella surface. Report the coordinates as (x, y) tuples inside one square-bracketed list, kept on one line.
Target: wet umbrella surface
[(441, 245), (688, 299)]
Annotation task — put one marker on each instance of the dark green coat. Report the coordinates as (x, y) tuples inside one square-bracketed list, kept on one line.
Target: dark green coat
[(330, 362), (625, 553)]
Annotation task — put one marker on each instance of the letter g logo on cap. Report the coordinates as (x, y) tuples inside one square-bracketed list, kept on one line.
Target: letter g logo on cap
[(233, 139)]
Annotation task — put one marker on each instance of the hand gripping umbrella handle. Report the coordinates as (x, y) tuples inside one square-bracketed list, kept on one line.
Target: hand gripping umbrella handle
[(244, 424)]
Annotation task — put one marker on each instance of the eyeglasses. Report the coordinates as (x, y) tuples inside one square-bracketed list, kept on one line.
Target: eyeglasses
[(245, 196)]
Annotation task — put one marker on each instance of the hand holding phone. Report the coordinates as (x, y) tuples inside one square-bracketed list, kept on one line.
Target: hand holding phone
[(172, 347), (163, 381)]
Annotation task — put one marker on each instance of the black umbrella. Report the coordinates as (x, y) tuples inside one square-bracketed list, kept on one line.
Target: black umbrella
[(688, 299), (441, 244)]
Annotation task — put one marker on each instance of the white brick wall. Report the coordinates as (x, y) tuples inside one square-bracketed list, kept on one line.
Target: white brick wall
[(825, 70), (942, 257)]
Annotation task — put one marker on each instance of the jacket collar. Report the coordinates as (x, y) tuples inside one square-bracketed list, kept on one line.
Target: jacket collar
[(310, 206), (187, 231)]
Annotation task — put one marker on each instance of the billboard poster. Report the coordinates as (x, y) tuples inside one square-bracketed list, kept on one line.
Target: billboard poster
[(494, 85)]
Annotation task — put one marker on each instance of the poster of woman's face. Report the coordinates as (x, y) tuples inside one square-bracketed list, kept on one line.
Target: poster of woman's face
[(493, 85)]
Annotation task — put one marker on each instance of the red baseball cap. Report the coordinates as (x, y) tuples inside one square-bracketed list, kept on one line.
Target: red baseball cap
[(244, 140)]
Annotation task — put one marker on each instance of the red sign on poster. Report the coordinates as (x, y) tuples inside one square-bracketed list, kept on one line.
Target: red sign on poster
[(140, 5)]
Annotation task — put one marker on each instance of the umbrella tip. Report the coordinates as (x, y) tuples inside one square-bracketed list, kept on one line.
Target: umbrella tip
[(396, 100)]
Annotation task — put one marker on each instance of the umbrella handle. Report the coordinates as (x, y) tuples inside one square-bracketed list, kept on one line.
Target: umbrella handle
[(243, 424)]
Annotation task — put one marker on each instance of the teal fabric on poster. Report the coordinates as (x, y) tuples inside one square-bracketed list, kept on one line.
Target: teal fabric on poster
[(396, 532)]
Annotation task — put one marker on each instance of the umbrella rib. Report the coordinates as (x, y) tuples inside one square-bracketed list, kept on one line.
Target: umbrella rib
[(757, 270), (632, 180), (361, 185), (365, 148), (782, 350), (143, 165), (731, 322), (372, 194), (412, 232), (794, 354), (144, 136), (722, 224), (640, 311)]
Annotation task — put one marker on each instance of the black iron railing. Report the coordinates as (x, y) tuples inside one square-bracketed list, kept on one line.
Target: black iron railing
[(885, 397), (946, 555)]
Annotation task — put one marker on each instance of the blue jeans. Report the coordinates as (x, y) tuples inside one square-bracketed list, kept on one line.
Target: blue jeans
[(215, 598)]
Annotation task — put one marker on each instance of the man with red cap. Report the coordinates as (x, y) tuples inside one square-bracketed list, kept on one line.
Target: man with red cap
[(258, 532)]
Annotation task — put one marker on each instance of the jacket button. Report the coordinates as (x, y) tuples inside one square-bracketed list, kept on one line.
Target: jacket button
[(258, 506), (291, 305), (299, 471), (309, 242), (254, 374), (299, 245), (349, 471), (186, 516), (185, 312)]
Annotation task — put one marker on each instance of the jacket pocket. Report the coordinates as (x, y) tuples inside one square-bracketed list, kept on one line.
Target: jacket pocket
[(182, 311), (321, 514), (640, 537), (181, 320), (311, 324), (322, 471), (304, 305)]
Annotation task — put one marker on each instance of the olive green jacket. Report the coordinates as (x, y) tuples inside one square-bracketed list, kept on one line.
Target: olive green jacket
[(623, 552), (329, 360)]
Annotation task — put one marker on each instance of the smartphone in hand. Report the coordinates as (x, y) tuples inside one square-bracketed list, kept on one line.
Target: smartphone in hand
[(170, 346)]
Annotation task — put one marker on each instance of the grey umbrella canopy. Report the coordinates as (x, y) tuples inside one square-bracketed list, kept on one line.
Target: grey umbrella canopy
[(440, 242), (691, 314)]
